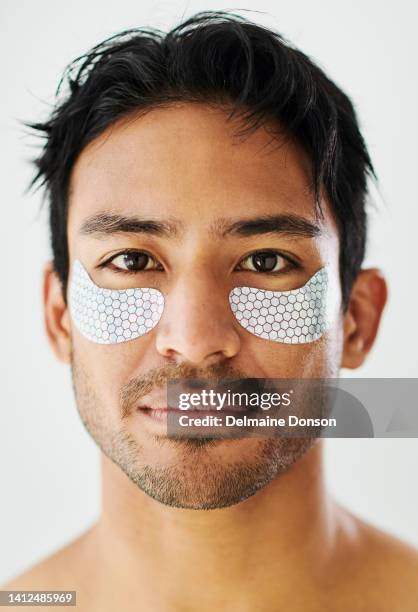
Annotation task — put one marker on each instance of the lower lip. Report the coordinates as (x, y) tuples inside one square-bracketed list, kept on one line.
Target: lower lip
[(160, 415), (156, 414)]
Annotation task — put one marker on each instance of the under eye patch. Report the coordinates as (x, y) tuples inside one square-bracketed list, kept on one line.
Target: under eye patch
[(295, 316), (109, 316)]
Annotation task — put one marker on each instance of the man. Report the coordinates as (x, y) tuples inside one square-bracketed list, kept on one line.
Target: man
[(190, 164)]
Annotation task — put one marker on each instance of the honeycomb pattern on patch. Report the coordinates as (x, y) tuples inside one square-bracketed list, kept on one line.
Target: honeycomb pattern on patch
[(295, 316), (109, 316)]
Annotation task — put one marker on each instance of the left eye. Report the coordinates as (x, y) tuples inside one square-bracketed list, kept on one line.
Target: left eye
[(136, 261), (264, 262)]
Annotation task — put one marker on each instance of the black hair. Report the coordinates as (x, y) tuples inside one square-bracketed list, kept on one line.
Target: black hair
[(214, 57)]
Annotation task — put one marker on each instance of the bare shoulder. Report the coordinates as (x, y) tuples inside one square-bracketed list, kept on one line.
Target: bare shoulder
[(390, 552), (58, 571), (381, 567)]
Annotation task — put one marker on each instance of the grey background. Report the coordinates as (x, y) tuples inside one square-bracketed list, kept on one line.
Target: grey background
[(49, 470)]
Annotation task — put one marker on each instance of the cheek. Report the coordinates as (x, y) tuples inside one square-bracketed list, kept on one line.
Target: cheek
[(105, 369), (267, 359)]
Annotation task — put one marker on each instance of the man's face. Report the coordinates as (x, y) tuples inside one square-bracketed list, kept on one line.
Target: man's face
[(181, 168)]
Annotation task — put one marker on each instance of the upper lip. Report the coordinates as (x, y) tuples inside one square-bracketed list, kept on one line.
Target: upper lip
[(163, 408), (157, 400)]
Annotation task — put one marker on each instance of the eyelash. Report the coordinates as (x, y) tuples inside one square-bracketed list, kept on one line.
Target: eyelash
[(106, 264), (290, 262)]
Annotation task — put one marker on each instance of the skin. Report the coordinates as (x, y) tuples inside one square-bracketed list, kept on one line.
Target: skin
[(286, 545)]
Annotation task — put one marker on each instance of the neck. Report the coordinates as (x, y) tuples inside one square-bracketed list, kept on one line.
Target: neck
[(277, 538)]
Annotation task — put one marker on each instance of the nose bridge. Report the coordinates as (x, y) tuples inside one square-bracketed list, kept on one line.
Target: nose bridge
[(197, 321)]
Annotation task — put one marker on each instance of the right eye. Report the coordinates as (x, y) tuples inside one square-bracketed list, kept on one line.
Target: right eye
[(133, 261)]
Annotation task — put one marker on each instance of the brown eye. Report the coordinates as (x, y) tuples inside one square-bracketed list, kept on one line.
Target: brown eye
[(264, 262), (135, 261)]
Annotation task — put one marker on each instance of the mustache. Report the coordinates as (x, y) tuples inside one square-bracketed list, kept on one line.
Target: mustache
[(138, 387)]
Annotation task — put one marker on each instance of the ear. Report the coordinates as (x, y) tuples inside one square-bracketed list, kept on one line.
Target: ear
[(56, 316), (361, 322)]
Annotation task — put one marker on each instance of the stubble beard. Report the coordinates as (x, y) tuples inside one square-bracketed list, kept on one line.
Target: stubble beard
[(198, 478)]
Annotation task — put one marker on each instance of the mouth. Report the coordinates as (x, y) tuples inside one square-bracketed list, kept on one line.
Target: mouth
[(157, 407), (159, 414), (164, 414)]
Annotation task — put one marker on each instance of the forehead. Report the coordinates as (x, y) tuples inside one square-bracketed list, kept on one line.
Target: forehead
[(185, 162)]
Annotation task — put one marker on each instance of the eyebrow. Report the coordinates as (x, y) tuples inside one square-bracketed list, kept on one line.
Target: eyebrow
[(291, 225), (104, 224)]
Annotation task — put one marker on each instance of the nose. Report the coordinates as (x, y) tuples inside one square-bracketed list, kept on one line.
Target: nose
[(197, 324)]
